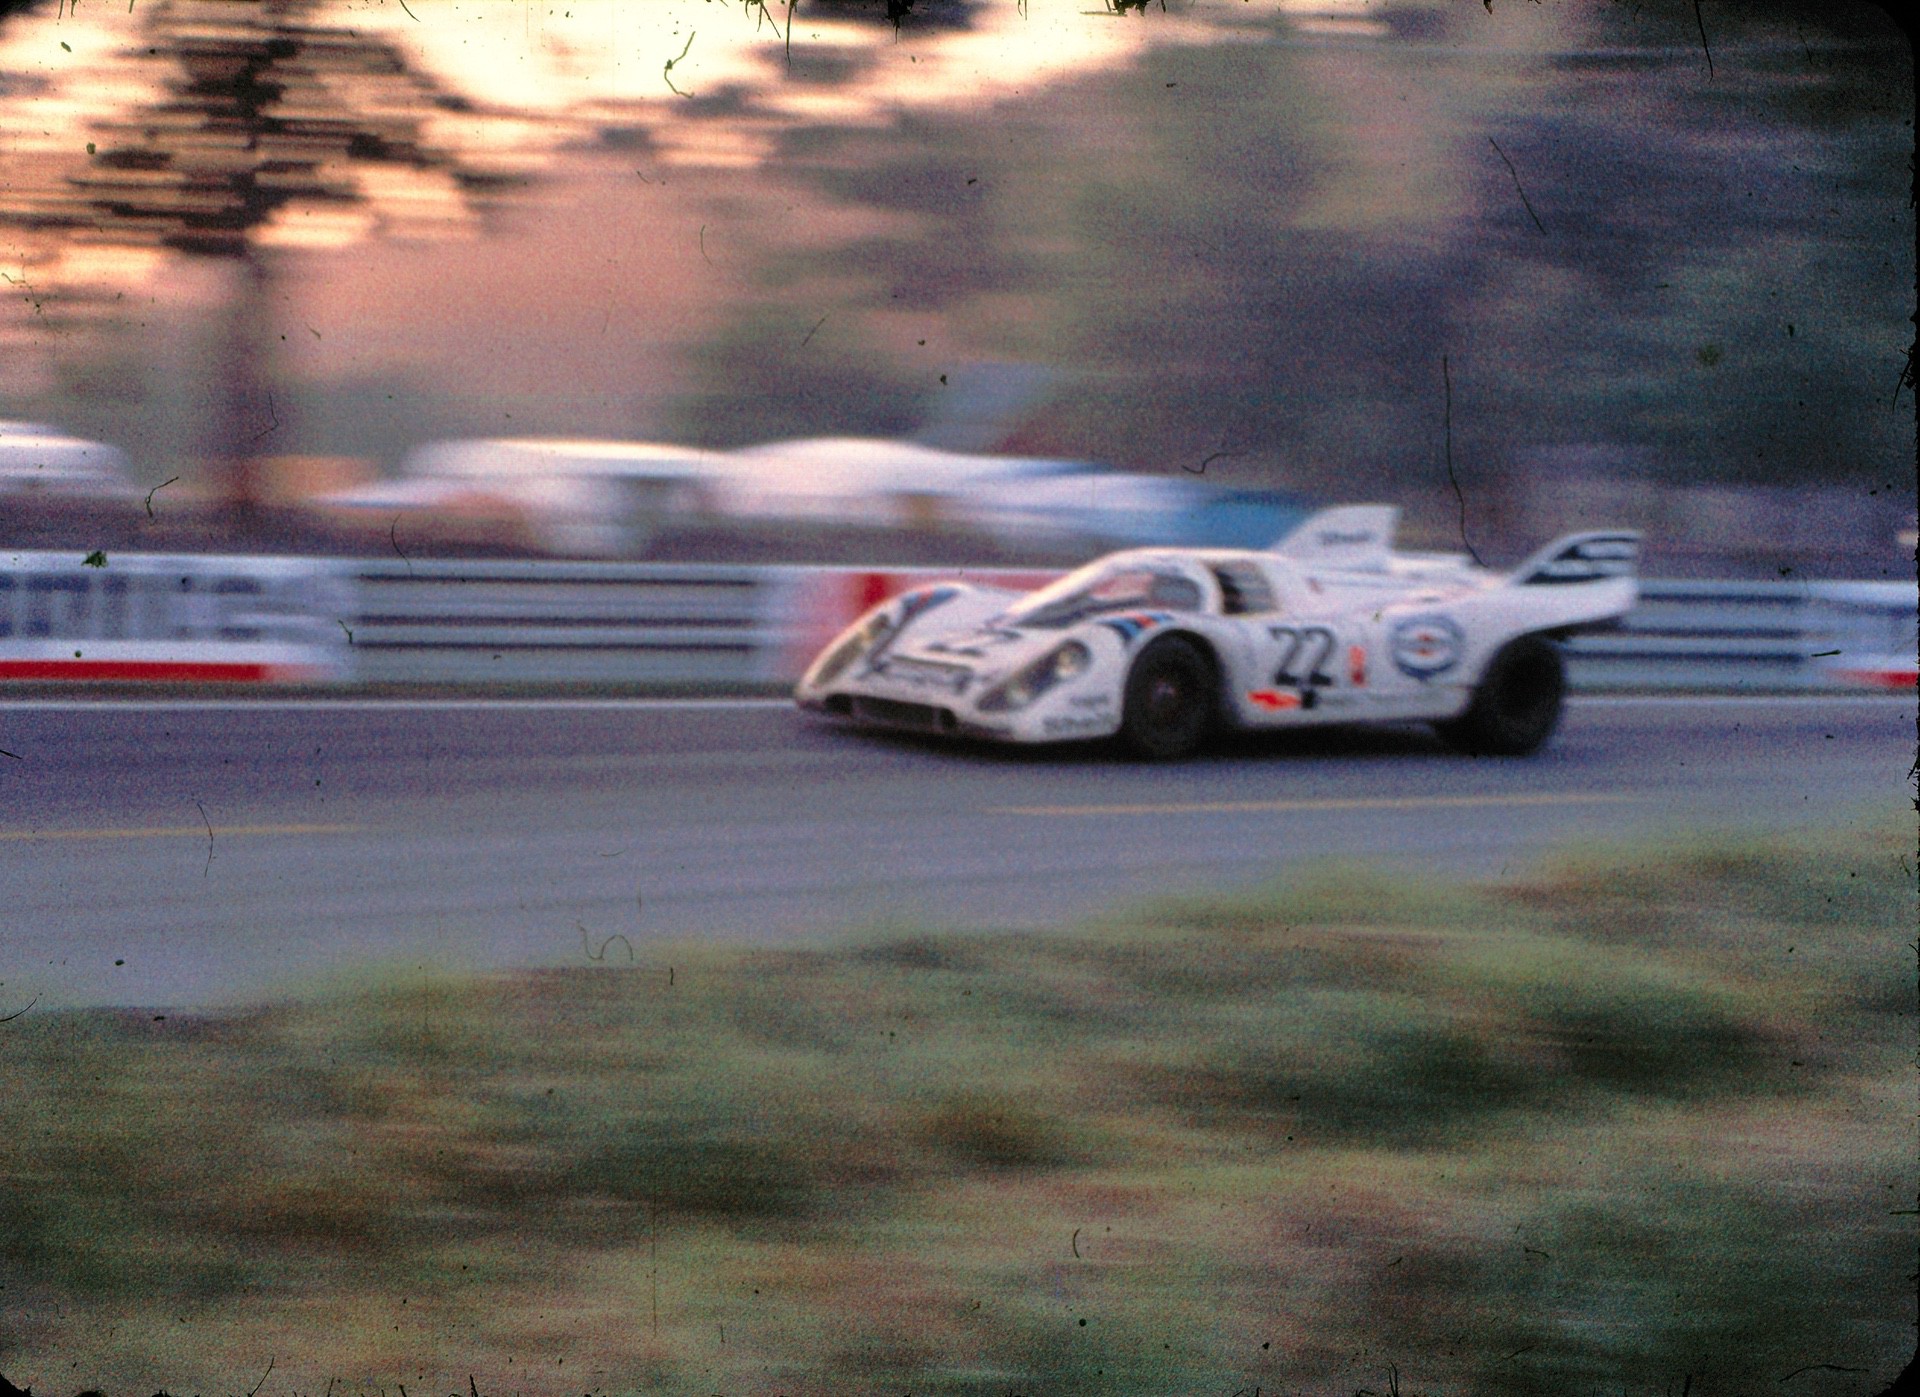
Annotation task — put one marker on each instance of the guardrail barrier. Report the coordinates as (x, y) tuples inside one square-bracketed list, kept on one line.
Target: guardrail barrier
[(508, 622), (1758, 636), (181, 618)]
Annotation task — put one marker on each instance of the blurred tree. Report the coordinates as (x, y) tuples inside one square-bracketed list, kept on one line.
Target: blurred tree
[(922, 14), (1258, 252), (262, 122)]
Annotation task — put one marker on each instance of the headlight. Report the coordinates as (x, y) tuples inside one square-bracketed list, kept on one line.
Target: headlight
[(1070, 659), (1051, 668), (856, 640)]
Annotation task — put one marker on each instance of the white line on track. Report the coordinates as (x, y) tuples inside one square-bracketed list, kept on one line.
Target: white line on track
[(84, 704), (735, 704), (34, 836), (1739, 700), (1236, 807)]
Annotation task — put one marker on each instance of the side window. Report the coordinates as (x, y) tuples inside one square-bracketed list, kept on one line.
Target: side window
[(1174, 593), (1244, 589)]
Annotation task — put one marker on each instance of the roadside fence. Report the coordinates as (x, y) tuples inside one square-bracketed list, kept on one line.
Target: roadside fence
[(524, 624)]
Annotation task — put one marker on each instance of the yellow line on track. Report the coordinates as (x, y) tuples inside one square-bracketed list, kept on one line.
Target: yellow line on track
[(171, 832), (1229, 807)]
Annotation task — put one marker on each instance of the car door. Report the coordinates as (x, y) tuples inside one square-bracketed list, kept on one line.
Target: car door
[(1303, 660)]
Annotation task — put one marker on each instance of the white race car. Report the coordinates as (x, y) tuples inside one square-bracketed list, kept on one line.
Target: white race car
[(1161, 646)]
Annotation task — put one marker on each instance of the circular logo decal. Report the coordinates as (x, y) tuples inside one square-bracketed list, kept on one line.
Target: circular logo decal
[(1424, 646)]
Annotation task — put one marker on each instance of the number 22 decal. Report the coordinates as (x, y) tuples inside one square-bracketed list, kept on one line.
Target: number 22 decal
[(1304, 656)]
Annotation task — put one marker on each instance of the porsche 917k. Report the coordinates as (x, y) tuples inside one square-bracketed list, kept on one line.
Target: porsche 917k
[(1162, 646)]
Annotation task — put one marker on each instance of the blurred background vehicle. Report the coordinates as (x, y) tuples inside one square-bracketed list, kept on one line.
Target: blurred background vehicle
[(1117, 509), (41, 461), (566, 498), (58, 488), (900, 484), (439, 516)]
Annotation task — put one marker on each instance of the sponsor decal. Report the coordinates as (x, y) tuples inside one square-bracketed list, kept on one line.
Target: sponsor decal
[(172, 619), (920, 674), (924, 600), (1337, 538), (1424, 646), (975, 644), (1357, 665), (1092, 700), (1135, 624), (1273, 699), (1064, 726)]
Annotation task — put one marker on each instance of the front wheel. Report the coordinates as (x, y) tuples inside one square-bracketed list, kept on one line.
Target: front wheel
[(1169, 702), (1516, 706)]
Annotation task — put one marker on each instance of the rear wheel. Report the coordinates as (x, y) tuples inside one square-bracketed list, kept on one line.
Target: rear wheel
[(1516, 706), (1169, 702)]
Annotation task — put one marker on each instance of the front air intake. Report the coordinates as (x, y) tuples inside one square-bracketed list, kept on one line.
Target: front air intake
[(921, 717)]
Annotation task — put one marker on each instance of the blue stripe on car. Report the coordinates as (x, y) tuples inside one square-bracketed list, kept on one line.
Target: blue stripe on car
[(1128, 627)]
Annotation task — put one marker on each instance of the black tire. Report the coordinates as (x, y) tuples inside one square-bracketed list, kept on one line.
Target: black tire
[(1516, 706), (1170, 701)]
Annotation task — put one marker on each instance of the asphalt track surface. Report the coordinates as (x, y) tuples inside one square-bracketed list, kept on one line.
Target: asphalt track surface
[(174, 854)]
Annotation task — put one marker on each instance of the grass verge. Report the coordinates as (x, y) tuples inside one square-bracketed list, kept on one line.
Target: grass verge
[(1642, 1119)]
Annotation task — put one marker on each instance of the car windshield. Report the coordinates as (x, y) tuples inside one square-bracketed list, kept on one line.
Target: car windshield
[(1104, 587)]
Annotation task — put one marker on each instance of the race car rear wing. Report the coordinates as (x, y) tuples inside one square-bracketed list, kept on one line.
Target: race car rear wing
[(1358, 536), (1593, 556)]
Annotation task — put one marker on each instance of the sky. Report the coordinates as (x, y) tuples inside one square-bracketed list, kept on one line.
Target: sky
[(704, 87)]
